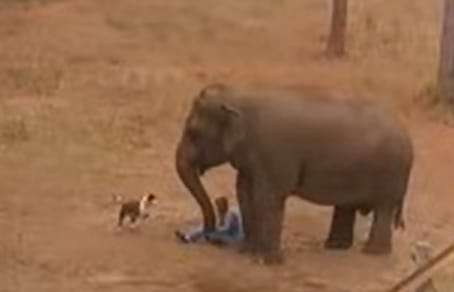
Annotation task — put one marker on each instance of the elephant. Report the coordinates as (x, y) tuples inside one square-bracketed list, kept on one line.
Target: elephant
[(350, 154)]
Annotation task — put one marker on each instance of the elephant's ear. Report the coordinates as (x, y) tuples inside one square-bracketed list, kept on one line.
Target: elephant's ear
[(234, 129)]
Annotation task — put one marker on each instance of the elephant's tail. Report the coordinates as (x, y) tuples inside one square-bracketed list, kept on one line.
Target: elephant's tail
[(398, 216)]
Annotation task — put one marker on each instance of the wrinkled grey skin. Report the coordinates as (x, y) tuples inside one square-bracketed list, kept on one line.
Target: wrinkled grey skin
[(350, 155)]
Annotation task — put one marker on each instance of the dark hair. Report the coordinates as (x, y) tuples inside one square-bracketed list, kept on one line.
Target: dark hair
[(222, 204)]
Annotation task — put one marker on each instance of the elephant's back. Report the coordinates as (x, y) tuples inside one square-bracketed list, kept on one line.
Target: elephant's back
[(321, 123), (343, 146), (321, 116)]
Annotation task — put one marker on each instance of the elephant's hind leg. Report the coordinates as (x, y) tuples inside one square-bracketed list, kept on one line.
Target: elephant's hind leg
[(380, 236), (341, 232)]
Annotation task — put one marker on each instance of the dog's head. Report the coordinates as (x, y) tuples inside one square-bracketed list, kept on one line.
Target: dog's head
[(151, 199), (147, 200)]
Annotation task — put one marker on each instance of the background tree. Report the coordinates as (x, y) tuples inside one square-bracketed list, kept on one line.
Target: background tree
[(336, 40), (446, 65)]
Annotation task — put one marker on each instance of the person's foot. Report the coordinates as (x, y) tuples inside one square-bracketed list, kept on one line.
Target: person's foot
[(181, 236)]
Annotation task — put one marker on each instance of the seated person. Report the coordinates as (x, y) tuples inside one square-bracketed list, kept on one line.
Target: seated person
[(228, 230)]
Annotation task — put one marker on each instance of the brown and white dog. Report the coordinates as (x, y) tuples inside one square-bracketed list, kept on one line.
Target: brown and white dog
[(135, 209)]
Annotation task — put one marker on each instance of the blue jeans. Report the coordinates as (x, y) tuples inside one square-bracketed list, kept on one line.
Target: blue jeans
[(229, 232), (195, 234)]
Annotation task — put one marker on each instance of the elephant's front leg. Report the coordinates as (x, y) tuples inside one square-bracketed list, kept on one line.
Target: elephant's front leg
[(244, 196), (342, 226), (269, 211)]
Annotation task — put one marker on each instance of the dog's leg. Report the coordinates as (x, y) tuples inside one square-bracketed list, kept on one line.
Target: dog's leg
[(134, 220), (121, 216)]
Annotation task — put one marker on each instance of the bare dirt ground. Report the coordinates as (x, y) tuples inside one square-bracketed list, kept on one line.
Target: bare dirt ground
[(92, 98)]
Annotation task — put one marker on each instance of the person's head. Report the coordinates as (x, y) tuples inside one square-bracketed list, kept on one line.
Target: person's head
[(222, 205)]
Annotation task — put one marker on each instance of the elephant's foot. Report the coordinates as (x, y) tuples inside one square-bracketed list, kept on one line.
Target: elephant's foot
[(247, 247), (341, 231), (338, 243), (380, 238), (377, 248)]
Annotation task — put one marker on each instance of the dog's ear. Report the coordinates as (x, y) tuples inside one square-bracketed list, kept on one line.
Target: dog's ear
[(152, 198)]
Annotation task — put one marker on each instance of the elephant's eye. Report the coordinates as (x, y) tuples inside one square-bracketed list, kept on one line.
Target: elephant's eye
[(194, 134)]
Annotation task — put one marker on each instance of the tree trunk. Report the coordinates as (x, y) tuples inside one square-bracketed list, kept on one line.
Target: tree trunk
[(446, 65), (336, 40)]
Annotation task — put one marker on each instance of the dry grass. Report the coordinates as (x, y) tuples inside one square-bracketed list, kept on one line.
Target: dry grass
[(92, 97), (391, 58), (24, 1), (434, 106), (14, 130), (30, 80)]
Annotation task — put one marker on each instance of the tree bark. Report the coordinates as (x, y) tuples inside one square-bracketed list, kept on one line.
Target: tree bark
[(446, 62), (336, 40)]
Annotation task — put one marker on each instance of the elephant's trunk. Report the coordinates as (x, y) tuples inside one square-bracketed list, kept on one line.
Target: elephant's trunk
[(189, 174)]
